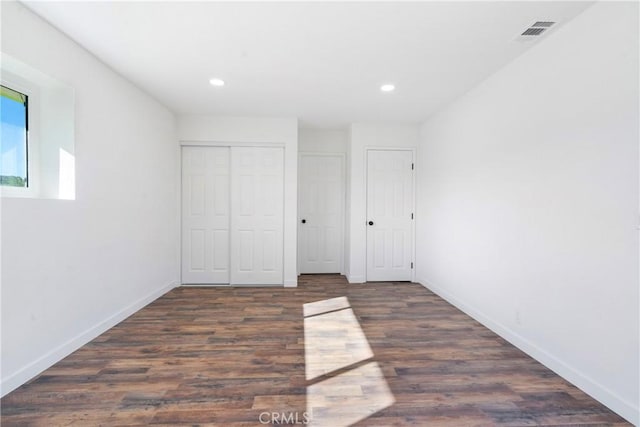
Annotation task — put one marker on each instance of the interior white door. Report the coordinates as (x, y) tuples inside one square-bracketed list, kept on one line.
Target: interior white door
[(389, 215), (205, 215), (321, 213), (257, 212)]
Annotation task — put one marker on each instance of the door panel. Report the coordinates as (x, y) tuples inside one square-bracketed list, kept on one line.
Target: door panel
[(321, 206), (390, 208), (198, 252), (257, 206), (205, 215)]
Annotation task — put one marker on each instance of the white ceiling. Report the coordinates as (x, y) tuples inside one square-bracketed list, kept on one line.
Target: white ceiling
[(320, 62)]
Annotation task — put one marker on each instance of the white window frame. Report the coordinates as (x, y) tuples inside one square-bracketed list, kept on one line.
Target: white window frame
[(31, 90)]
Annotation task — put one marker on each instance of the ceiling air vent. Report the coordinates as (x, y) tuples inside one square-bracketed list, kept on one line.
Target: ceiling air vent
[(543, 24), (535, 30)]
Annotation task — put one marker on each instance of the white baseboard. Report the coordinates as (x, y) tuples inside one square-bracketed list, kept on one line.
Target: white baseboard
[(356, 279), (31, 370), (624, 408)]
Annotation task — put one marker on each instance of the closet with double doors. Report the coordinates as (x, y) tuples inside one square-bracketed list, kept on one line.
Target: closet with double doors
[(232, 215)]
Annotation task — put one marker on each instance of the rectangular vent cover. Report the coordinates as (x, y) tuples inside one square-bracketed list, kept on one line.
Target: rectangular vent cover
[(543, 24), (533, 31)]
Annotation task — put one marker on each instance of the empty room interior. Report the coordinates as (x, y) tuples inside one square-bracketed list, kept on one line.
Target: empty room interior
[(320, 213)]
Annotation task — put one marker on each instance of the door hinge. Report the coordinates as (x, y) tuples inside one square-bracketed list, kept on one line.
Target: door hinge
[(411, 166), (411, 265), (411, 216)]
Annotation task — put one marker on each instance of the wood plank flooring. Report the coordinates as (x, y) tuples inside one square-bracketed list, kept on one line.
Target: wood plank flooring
[(377, 354)]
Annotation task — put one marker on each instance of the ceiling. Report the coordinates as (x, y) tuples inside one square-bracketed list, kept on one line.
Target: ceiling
[(320, 62)]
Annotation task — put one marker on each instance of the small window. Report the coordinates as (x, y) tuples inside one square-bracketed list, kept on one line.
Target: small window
[(14, 170)]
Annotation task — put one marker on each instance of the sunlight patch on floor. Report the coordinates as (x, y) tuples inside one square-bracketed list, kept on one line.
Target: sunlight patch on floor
[(346, 384), (333, 340)]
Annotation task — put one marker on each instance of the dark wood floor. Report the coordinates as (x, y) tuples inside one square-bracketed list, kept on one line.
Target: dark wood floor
[(379, 354)]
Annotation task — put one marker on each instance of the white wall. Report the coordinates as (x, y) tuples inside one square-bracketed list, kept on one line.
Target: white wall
[(72, 269), (361, 137), (322, 141), (258, 130), (528, 203)]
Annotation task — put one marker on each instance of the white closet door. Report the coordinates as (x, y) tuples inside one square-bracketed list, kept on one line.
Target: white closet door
[(389, 215), (321, 201), (205, 215), (257, 211)]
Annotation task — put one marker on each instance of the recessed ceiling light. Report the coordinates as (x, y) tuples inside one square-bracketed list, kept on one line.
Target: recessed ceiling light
[(216, 82), (387, 88)]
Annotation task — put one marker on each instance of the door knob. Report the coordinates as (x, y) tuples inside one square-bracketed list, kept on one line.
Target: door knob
[(370, 222), (304, 221)]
